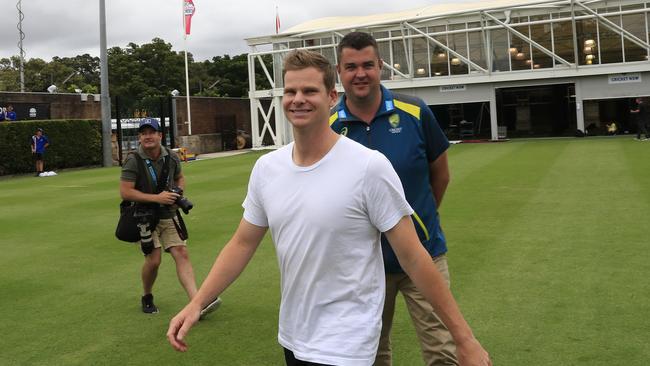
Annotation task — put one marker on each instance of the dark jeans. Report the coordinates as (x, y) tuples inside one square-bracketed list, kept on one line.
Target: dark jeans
[(642, 128), (291, 360)]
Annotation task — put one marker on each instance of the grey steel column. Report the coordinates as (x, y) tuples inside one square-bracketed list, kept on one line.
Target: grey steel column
[(105, 98)]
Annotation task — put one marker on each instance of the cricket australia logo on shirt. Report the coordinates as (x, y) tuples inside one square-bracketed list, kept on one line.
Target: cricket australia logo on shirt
[(394, 122)]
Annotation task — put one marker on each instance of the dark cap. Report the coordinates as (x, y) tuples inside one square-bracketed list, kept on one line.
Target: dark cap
[(149, 122)]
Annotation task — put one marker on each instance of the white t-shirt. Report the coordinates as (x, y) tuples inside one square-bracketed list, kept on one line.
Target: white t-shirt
[(325, 221)]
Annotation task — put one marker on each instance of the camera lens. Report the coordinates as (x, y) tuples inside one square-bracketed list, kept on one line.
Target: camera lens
[(146, 240), (184, 204)]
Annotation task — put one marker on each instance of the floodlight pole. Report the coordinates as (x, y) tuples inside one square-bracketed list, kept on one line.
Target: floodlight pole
[(105, 98), (187, 75), (21, 37)]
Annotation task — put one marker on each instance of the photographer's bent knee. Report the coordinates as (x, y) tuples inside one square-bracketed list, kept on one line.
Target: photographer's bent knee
[(154, 258), (179, 253)]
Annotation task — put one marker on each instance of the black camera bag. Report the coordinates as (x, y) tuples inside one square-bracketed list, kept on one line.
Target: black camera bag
[(127, 226)]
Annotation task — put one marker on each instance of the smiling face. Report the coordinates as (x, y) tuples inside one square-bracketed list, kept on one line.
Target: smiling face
[(360, 72), (306, 101)]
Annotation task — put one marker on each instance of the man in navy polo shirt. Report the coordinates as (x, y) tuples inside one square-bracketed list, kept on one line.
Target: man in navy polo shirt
[(10, 115), (39, 144), (405, 130)]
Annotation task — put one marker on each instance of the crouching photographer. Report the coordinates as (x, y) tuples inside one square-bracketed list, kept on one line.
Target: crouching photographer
[(152, 180)]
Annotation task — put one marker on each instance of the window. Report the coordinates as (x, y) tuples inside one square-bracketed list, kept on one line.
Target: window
[(420, 56), (439, 65), (295, 44), (520, 50), (399, 58), (635, 24), (312, 42), (587, 41), (384, 52), (500, 53), (541, 33), (611, 46), (476, 46), (458, 43), (563, 41)]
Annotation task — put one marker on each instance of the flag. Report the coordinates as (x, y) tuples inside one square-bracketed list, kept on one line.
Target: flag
[(277, 21), (188, 12)]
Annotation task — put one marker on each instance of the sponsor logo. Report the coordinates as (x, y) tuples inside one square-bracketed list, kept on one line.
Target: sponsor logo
[(344, 131), (189, 8), (394, 120)]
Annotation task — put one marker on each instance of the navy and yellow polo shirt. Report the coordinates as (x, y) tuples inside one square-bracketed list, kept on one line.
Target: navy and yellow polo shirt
[(407, 133)]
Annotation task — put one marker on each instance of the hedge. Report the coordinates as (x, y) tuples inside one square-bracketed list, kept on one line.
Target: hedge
[(73, 143)]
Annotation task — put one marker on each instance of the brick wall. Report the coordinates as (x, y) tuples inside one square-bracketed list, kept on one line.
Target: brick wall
[(212, 115), (52, 106)]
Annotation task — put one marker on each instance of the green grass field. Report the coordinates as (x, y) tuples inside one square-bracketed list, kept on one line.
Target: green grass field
[(549, 243)]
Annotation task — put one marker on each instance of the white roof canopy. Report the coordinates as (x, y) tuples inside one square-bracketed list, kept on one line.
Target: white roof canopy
[(329, 24)]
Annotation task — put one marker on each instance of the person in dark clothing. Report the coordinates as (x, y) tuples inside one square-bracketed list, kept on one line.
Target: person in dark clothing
[(640, 112), (39, 143)]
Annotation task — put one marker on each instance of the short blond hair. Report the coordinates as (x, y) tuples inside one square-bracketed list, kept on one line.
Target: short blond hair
[(301, 59)]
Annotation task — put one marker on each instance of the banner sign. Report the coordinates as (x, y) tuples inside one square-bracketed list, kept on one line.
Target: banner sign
[(188, 12), (624, 78), (452, 88)]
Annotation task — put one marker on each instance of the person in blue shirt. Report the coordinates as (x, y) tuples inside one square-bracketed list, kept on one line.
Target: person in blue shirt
[(2, 114), (39, 144), (10, 114), (405, 130)]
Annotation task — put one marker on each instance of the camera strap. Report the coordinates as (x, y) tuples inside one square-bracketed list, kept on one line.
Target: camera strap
[(164, 174), (161, 183), (181, 229), (152, 172)]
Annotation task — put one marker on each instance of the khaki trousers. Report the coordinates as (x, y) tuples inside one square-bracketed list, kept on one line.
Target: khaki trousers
[(436, 342)]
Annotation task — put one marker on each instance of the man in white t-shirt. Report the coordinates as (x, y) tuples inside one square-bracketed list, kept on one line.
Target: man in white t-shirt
[(326, 200)]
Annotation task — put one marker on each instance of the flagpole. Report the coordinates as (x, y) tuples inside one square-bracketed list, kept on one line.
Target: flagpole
[(187, 74), (187, 87)]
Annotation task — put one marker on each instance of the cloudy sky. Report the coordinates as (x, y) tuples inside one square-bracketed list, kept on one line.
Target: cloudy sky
[(71, 27)]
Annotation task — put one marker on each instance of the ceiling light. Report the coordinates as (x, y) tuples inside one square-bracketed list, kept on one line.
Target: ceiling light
[(420, 71), (513, 50), (455, 61), (589, 43), (520, 56), (397, 66)]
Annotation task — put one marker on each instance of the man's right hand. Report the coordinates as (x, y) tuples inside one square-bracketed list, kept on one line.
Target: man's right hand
[(167, 198), (471, 353)]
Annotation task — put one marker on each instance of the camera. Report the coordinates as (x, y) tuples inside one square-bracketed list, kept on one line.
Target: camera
[(182, 202), (145, 217)]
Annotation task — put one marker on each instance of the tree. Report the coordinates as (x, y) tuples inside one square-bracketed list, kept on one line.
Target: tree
[(9, 74), (138, 74)]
